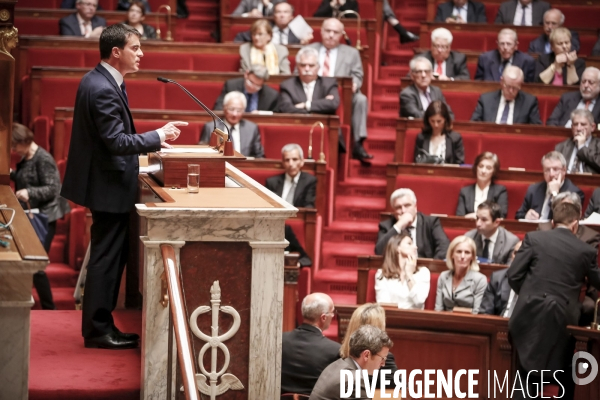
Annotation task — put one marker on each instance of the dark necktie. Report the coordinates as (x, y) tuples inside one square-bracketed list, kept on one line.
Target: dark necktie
[(504, 118), (124, 93), (523, 17), (248, 102), (576, 167), (502, 66), (486, 250), (231, 130)]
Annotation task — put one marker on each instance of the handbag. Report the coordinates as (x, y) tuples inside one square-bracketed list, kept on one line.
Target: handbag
[(39, 221), (423, 157)]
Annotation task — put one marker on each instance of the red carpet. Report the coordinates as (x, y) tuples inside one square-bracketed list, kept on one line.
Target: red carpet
[(62, 369)]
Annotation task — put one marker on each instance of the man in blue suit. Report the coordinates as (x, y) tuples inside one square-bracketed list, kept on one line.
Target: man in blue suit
[(491, 64), (84, 22), (101, 174)]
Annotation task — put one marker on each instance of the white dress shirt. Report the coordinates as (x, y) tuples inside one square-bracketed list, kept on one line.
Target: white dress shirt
[(423, 98), (84, 26), (519, 14), (511, 111), (287, 184), (309, 89), (332, 60), (440, 150), (493, 240), (462, 11), (280, 36), (480, 195), (510, 305), (396, 292)]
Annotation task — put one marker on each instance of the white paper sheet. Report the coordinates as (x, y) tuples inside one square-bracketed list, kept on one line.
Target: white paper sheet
[(300, 28), (189, 150), (593, 219)]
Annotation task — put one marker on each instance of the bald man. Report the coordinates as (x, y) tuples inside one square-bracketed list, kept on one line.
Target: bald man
[(553, 18)]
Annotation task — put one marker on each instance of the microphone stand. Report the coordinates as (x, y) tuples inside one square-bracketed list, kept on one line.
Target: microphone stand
[(322, 154), (352, 12), (158, 33)]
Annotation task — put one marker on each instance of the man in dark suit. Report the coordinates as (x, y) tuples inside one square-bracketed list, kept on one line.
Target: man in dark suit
[(244, 134), (522, 12), (447, 64), (588, 97), (582, 151), (509, 105), (491, 64), (461, 12), (498, 291), (537, 202), (426, 231), (594, 204), (283, 14), (547, 274), (553, 18), (101, 174), (255, 8), (415, 99), (305, 351), (259, 97), (84, 22)]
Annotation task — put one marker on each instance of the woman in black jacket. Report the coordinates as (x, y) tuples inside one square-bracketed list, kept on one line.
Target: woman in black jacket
[(437, 137)]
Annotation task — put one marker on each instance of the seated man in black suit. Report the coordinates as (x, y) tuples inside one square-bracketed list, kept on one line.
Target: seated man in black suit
[(305, 351), (426, 231), (492, 63), (255, 8), (259, 97), (509, 105), (460, 12), (582, 151), (588, 97), (84, 22), (522, 12), (498, 292), (283, 14), (447, 64), (244, 134), (537, 202), (553, 18)]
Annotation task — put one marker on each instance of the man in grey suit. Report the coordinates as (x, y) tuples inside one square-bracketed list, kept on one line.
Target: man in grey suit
[(447, 64), (244, 134), (337, 59), (84, 22), (460, 12), (494, 243), (498, 292), (522, 12), (582, 151), (588, 97), (259, 97), (509, 105), (491, 64), (415, 98), (255, 8), (296, 187)]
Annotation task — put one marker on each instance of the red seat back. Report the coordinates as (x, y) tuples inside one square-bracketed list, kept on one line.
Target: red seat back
[(430, 189), (430, 302)]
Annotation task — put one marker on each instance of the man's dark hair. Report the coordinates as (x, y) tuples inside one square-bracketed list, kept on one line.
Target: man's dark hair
[(368, 337), (115, 36), (492, 207), (565, 213)]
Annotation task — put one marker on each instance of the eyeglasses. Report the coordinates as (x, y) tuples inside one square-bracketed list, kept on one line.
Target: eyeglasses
[(440, 46), (88, 4), (382, 357), (235, 110)]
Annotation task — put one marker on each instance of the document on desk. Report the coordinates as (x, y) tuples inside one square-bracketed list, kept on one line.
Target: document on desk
[(204, 150), (593, 219), (300, 28)]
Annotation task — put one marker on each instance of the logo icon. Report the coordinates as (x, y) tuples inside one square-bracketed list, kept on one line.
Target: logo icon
[(583, 367)]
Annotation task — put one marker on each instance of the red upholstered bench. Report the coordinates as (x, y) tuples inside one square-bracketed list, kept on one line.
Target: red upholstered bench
[(462, 103), (431, 189), (274, 137), (37, 26)]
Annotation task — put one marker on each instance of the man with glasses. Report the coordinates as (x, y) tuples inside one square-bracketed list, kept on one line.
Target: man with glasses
[(447, 64), (259, 97), (84, 23), (492, 63), (582, 151), (509, 105), (588, 97)]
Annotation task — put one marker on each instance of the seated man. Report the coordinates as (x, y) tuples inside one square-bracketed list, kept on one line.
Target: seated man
[(553, 18), (283, 14), (415, 99), (259, 97), (305, 351), (522, 12), (492, 63), (494, 243), (588, 97), (255, 8), (390, 17), (536, 204), (84, 22), (369, 348), (594, 204), (461, 12), (509, 105), (293, 186), (244, 134), (498, 292), (426, 231), (447, 64), (333, 8), (582, 151)]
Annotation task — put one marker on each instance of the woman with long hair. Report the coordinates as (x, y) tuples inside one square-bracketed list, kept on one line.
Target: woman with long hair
[(437, 137)]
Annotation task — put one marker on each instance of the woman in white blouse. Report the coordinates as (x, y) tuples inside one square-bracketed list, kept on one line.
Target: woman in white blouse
[(437, 137), (400, 281)]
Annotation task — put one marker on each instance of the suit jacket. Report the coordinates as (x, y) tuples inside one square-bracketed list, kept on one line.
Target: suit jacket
[(246, 36), (589, 156), (328, 385), (538, 45), (544, 61), (305, 353), (536, 194), (455, 151), (596, 49), (410, 102), (475, 12), (431, 238), (456, 64), (507, 10), (594, 205), (304, 195), (466, 199), (567, 103), (291, 92), (267, 96), (469, 292), (282, 56), (246, 6), (295, 246), (526, 109), (503, 248), (102, 170), (497, 293), (584, 233), (547, 274), (347, 63), (69, 25), (250, 144), (326, 11), (488, 66)]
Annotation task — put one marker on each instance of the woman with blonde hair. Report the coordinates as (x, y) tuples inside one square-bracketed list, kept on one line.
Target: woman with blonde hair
[(261, 51), (462, 285), (561, 66)]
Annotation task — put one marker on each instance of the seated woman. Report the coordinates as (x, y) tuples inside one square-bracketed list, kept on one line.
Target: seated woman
[(485, 169), (437, 137), (135, 16), (462, 285), (400, 281), (262, 52), (561, 66)]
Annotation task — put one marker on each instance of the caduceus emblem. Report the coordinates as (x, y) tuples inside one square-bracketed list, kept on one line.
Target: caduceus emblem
[(215, 341)]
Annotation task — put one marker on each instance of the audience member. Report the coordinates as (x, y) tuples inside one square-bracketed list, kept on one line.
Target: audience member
[(262, 52), (305, 351), (400, 281), (283, 14), (437, 139), (244, 134), (596, 49), (509, 105), (522, 12), (84, 22), (333, 8), (390, 16), (255, 8), (293, 186), (537, 202), (135, 18), (485, 168), (553, 19), (492, 63), (562, 66), (447, 64), (337, 59), (125, 5), (415, 99), (582, 151), (594, 204), (498, 292), (426, 231), (494, 243), (462, 285), (259, 97), (586, 98), (461, 12)]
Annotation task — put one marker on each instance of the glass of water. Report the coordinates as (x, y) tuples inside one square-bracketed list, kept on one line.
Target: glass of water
[(193, 178)]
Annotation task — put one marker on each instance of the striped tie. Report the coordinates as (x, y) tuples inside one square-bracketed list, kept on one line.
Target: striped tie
[(326, 64)]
